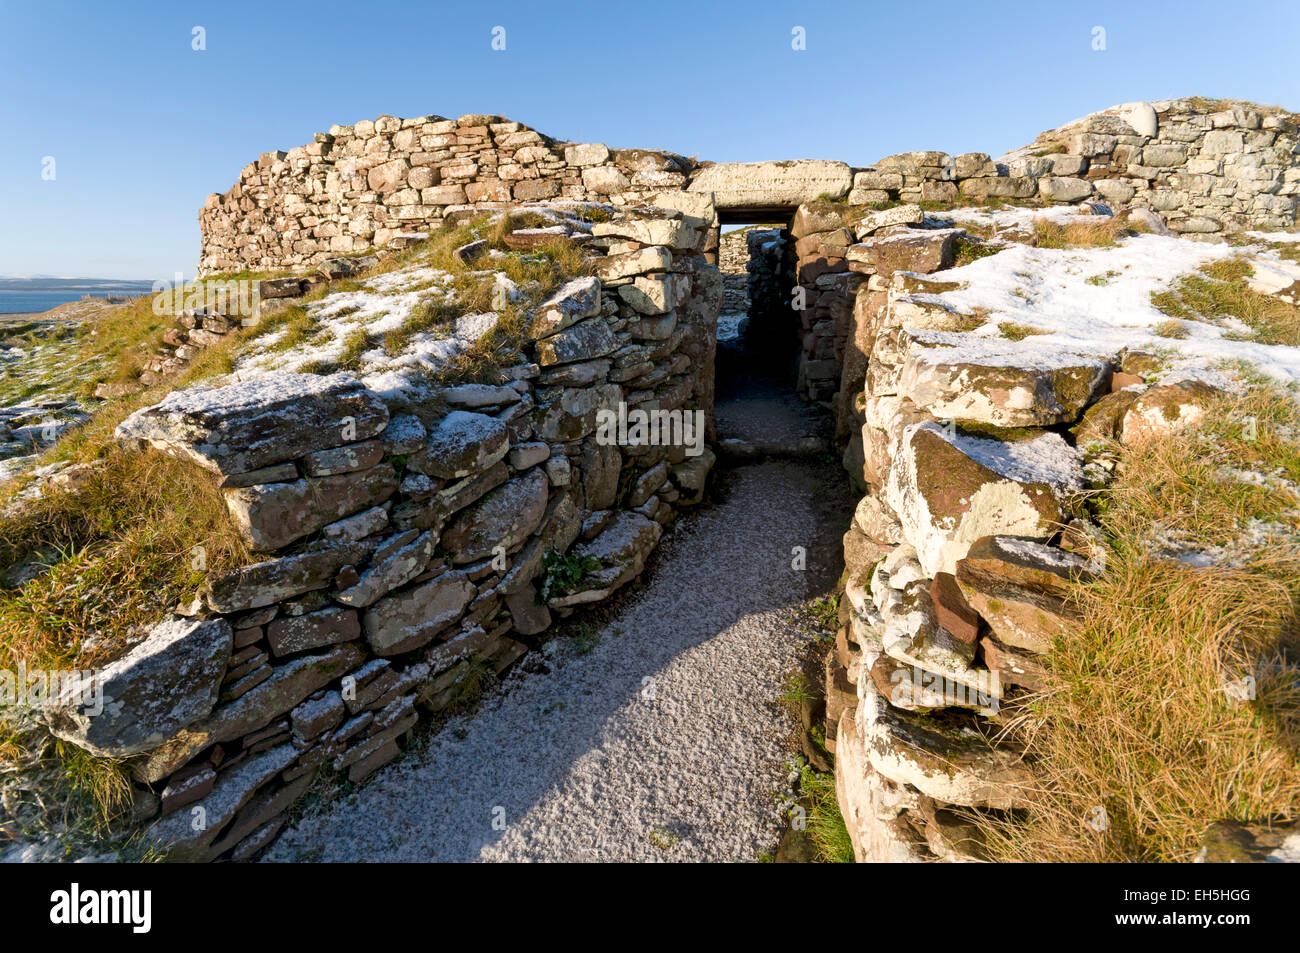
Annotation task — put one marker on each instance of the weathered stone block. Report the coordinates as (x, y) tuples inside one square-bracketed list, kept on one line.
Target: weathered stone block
[(503, 518), (583, 341), (463, 443), (288, 685), (164, 684), (271, 515), (268, 582), (390, 570), (293, 634), (253, 424), (572, 302), (407, 620), (355, 456)]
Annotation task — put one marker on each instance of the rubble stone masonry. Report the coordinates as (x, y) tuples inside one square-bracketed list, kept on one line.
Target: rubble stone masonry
[(1204, 166)]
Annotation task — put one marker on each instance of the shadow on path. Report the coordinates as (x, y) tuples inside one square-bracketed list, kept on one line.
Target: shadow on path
[(664, 742)]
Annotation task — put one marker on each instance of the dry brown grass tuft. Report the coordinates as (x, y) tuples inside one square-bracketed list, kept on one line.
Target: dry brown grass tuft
[(1174, 329), (1104, 232), (1018, 332), (513, 222), (1137, 721), (120, 551)]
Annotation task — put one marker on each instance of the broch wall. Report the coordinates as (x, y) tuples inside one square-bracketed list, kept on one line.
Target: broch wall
[(410, 545), (409, 542), (1204, 166)]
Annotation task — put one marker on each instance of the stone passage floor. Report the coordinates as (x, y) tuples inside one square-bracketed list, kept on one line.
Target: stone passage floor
[(664, 742)]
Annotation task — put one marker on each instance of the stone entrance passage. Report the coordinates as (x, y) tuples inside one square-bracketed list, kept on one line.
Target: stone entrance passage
[(760, 410), (418, 535), (756, 325)]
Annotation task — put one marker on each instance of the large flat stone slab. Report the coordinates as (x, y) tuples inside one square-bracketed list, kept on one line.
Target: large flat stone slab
[(1022, 588), (292, 682), (271, 515), (165, 683), (871, 804), (463, 443), (504, 518), (943, 757), (950, 490), (253, 424), (573, 301), (1011, 386), (583, 341), (188, 834), (267, 582), (765, 185)]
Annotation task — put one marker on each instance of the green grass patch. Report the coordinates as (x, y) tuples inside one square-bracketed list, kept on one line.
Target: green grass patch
[(825, 611), (826, 824), (564, 572), (1220, 291), (968, 249)]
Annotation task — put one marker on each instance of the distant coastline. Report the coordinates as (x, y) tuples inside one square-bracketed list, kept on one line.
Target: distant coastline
[(37, 295)]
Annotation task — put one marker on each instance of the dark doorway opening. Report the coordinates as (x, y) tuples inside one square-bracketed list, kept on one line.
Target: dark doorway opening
[(756, 403)]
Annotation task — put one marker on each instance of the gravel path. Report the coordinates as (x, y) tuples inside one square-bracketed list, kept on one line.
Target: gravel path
[(663, 742)]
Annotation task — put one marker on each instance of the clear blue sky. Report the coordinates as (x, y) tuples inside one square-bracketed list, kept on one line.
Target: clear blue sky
[(142, 127)]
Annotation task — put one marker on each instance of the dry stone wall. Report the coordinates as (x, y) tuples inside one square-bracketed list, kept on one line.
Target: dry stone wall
[(963, 551), (774, 334), (918, 671), (363, 185), (1205, 166), (733, 262), (407, 548)]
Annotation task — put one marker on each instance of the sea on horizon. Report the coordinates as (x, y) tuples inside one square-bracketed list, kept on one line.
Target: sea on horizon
[(34, 300)]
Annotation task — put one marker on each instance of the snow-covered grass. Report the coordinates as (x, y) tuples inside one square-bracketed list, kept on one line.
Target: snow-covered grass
[(42, 360), (992, 220), (1099, 300), (431, 320), (1239, 295)]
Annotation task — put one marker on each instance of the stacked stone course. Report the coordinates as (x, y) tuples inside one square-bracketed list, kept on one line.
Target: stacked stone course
[(963, 550), (363, 185), (1205, 166), (404, 542)]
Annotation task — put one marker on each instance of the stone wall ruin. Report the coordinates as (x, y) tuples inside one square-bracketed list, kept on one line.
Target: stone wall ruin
[(405, 545), (405, 540), (1204, 166)]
